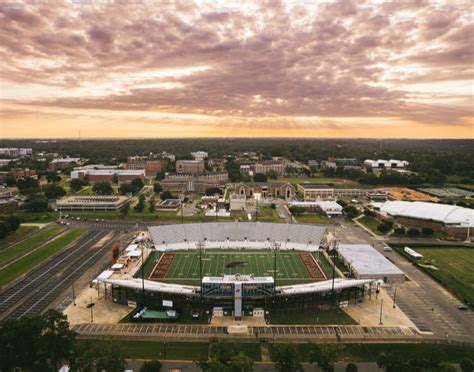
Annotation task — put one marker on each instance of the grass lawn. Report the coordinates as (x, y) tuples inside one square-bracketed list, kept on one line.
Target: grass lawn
[(371, 223), (184, 268), (19, 234), (315, 317), (149, 264), (455, 269), (370, 352), (313, 218), (37, 217), (268, 214), (156, 349), (25, 245), (25, 264)]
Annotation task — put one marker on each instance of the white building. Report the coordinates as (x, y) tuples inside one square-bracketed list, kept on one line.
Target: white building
[(200, 155), (365, 262), (237, 202), (386, 164), (328, 207)]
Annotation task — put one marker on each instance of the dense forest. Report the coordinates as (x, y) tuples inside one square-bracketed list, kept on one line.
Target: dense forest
[(447, 156)]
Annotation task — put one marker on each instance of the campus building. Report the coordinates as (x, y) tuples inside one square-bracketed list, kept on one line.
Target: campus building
[(200, 155), (91, 203), (63, 163), (108, 175), (263, 166), (386, 164), (365, 262), (455, 221), (315, 191), (151, 166), (193, 167), (15, 152), (192, 183), (283, 190)]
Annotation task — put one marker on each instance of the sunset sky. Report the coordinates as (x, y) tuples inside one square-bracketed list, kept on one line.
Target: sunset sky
[(237, 69)]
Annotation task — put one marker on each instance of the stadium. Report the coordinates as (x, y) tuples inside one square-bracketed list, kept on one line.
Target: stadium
[(237, 267)]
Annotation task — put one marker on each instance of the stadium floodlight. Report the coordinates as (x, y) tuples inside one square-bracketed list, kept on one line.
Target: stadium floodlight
[(276, 248), (200, 246)]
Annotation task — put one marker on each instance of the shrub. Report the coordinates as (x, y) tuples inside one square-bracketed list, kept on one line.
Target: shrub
[(413, 232), (399, 231), (351, 367), (383, 228), (427, 231)]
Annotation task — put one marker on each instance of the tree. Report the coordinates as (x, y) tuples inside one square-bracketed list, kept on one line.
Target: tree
[(105, 356), (77, 184), (27, 185), (166, 195), (137, 184), (467, 365), (157, 187), (53, 177), (286, 358), (10, 181), (141, 203), (296, 211), (413, 232), (36, 202), (427, 231), (213, 191), (160, 175), (351, 367), (53, 191), (126, 188), (124, 209), (222, 359), (152, 204), (102, 188), (272, 175), (273, 206), (383, 228), (325, 355), (151, 366), (259, 177), (392, 362), (57, 338)]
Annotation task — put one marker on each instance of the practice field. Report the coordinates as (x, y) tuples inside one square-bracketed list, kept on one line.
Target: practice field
[(453, 267), (182, 267)]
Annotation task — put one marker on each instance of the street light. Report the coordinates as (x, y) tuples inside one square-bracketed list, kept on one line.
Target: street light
[(276, 248), (91, 306)]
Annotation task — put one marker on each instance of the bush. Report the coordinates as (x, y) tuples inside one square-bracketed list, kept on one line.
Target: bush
[(383, 228), (77, 184), (166, 195), (413, 232), (259, 177), (297, 211), (157, 187), (427, 231), (351, 367), (467, 365), (273, 206), (213, 191), (399, 231), (151, 366)]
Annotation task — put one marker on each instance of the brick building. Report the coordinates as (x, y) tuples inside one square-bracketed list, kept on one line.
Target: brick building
[(151, 166), (63, 163), (263, 166), (194, 167), (283, 190), (192, 183), (108, 175)]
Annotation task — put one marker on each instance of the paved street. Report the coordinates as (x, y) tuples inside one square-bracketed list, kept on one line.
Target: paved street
[(431, 308)]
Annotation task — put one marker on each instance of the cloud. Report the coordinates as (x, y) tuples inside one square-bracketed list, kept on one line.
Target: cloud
[(263, 60)]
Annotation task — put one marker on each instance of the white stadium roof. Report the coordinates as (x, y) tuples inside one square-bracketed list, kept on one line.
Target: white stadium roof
[(366, 260), (324, 286), (447, 214)]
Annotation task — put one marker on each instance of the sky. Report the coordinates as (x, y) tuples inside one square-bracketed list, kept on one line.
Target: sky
[(300, 68)]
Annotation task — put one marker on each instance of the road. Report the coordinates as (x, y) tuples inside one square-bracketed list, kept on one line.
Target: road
[(430, 307)]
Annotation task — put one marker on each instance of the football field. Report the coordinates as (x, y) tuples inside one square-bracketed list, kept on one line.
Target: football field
[(183, 267)]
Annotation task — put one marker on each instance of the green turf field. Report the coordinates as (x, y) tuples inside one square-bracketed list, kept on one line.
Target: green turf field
[(454, 269), (185, 266)]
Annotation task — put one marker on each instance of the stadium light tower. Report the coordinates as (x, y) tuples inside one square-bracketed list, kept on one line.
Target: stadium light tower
[(333, 267), (276, 249), (200, 245)]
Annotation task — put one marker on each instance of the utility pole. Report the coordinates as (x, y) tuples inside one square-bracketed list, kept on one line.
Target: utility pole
[(333, 270), (182, 216), (73, 295), (381, 306), (256, 210), (395, 297), (91, 306)]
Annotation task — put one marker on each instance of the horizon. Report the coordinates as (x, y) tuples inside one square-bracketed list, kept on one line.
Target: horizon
[(366, 69)]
